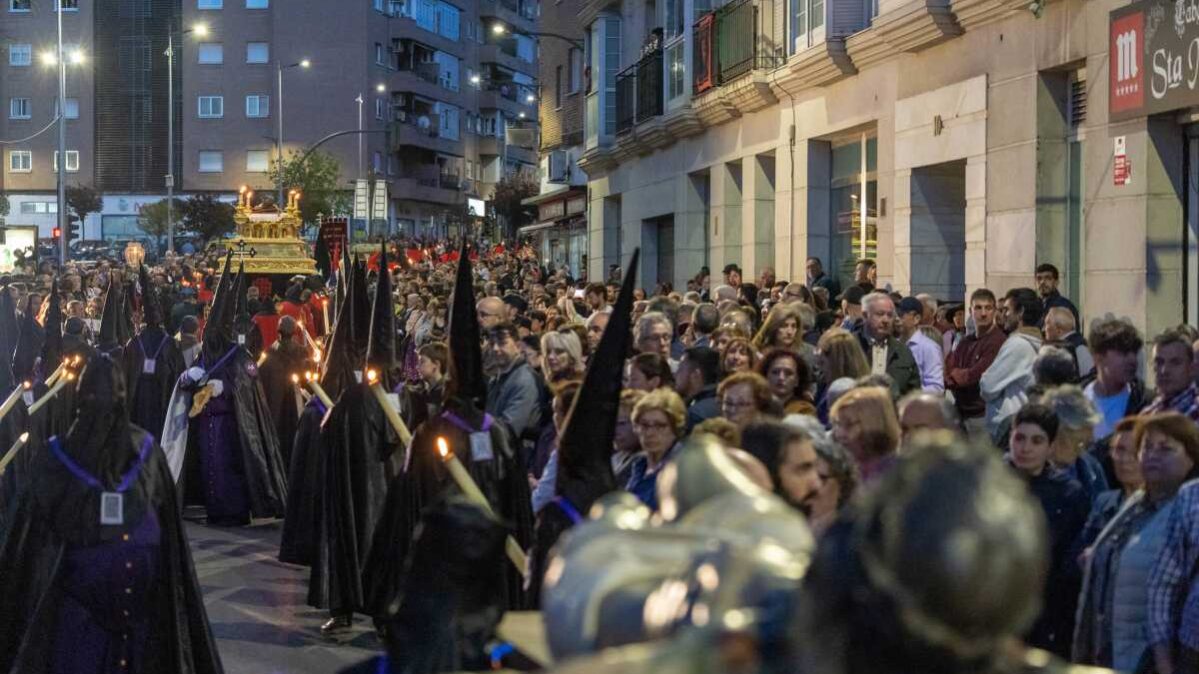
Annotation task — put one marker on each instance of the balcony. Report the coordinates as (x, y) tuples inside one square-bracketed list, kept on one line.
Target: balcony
[(519, 13), (425, 81), (406, 28), (734, 40), (490, 146), (639, 91), (422, 131), (442, 190), (509, 97), (503, 55)]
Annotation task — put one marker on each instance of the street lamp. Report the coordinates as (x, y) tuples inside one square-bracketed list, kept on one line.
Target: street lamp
[(499, 28), (200, 30), (59, 58), (279, 68)]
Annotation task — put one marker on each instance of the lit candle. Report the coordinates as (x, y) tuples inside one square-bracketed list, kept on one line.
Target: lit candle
[(262, 356), (325, 313), (376, 387), (11, 402), (315, 386), (58, 386), (308, 338), (57, 373), (472, 492), (12, 451)]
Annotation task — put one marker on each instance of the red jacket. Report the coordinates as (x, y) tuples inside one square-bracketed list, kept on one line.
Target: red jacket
[(268, 325), (965, 367)]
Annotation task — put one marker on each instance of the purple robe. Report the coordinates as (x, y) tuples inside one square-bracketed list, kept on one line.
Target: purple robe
[(222, 467), (103, 621)]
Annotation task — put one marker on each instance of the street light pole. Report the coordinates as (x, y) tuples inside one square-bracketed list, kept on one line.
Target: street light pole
[(62, 145), (279, 138), (171, 141)]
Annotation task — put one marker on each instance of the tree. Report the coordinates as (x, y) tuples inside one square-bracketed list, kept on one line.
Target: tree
[(4, 205), (318, 178), (83, 200), (207, 216), (509, 192), (153, 219)]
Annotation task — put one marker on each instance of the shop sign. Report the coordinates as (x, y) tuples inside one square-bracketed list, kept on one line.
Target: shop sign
[(1154, 58), (1121, 165), (552, 210)]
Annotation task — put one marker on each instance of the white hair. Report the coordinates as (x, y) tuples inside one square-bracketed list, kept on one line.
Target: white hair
[(871, 298), (648, 320)]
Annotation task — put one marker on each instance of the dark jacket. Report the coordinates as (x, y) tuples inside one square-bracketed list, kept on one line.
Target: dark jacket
[(1056, 299), (828, 283), (702, 407), (514, 398), (965, 367), (901, 366)]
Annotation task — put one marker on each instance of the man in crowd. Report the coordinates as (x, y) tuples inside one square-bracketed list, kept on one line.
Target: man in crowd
[(704, 322), (884, 353), (1173, 364), (1116, 392), (513, 395), (925, 411), (654, 334), (966, 364), (926, 352), (851, 307), (732, 276), (1005, 383), (818, 279), (492, 311), (1060, 331), (1047, 280), (696, 380)]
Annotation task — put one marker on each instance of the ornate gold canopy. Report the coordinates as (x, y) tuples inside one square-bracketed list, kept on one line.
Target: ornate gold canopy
[(268, 239)]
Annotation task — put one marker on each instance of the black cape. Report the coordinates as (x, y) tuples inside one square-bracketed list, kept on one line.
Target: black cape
[(266, 476), (284, 359), (31, 550), (426, 480), (150, 394), (301, 524), (361, 457)]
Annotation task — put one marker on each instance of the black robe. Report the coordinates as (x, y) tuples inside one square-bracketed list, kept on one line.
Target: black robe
[(361, 457), (150, 394), (266, 476), (32, 550), (425, 481), (304, 486), (282, 399)]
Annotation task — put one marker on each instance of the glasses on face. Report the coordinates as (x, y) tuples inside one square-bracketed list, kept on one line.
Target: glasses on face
[(661, 339), (654, 426)]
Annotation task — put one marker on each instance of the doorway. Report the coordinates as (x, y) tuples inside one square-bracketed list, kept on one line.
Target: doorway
[(938, 230)]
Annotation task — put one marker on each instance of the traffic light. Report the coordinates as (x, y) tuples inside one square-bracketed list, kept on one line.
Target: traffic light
[(74, 229), (55, 233)]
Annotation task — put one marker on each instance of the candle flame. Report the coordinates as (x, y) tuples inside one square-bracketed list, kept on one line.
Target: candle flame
[(372, 376), (24, 437), (295, 378), (317, 356), (443, 448), (27, 385)]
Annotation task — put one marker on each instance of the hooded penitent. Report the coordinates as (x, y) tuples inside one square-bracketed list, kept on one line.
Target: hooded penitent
[(52, 349), (479, 441), (363, 455), (111, 321), (380, 351), (8, 340), (152, 363), (218, 329), (245, 332), (585, 447), (95, 568)]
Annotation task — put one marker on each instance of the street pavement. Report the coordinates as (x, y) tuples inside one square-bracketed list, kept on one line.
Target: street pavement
[(257, 610)]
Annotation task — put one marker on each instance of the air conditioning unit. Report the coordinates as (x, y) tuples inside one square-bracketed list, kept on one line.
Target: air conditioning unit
[(559, 167)]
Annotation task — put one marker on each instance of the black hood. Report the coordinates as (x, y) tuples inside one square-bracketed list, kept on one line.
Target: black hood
[(8, 339), (218, 329), (110, 318), (360, 314), (466, 379), (380, 352), (242, 305), (339, 358), (52, 348), (29, 345)]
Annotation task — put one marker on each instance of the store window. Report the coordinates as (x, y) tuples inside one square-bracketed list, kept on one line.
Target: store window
[(853, 236)]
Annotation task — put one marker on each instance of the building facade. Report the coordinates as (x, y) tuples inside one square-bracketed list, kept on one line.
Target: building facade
[(959, 142), (445, 92)]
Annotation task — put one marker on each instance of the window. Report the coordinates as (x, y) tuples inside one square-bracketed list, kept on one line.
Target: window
[(258, 52), (20, 5), (70, 5), (380, 54), (558, 87), (448, 20), (212, 161), (72, 161), (449, 122), (211, 53), (257, 161), (258, 4), (575, 74), (806, 17), (448, 70), (20, 108), (377, 162), (676, 71), (674, 18), (209, 4), (212, 107), (379, 108), (20, 54), (20, 161), (39, 208), (72, 111), (258, 106)]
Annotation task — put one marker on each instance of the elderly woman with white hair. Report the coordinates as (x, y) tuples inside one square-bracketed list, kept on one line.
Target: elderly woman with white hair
[(1071, 448)]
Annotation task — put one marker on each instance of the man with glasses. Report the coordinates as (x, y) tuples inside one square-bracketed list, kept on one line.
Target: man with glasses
[(654, 334), (513, 392), (492, 311)]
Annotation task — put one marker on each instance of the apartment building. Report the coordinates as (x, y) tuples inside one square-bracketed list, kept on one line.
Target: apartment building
[(958, 142), (560, 230), (435, 84), (445, 91), (29, 96)]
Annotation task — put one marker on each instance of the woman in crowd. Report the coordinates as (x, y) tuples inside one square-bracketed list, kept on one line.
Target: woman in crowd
[(744, 398), (1114, 606), (1127, 467), (544, 475), (789, 456), (659, 420), (626, 444), (648, 371), (789, 381), (738, 356), (1066, 506), (723, 335), (840, 357), (1076, 428), (781, 330), (562, 357), (865, 424)]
